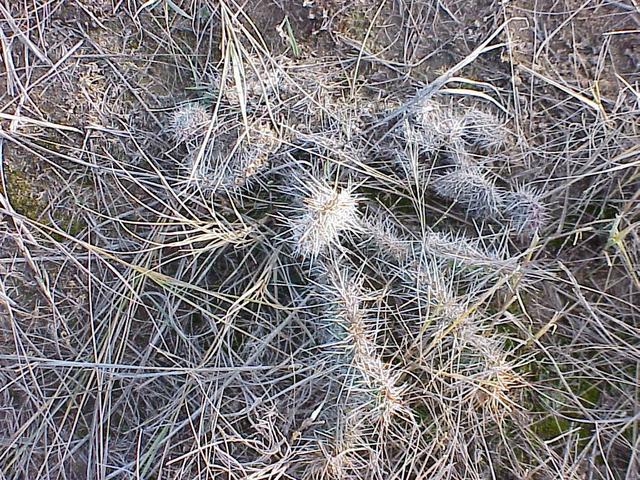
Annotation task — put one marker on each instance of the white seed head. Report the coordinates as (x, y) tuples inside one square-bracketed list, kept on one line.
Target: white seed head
[(391, 394), (344, 452), (450, 127), (327, 212), (188, 121), (525, 210), (484, 130), (454, 247), (471, 189), (344, 291), (385, 236), (253, 153), (438, 127), (458, 253), (415, 144)]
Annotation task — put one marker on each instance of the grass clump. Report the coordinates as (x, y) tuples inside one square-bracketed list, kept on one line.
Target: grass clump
[(316, 264)]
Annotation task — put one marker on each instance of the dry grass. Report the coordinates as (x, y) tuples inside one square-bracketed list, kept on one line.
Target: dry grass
[(405, 246)]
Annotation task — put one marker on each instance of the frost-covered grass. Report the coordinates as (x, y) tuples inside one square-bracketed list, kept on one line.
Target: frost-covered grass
[(261, 266)]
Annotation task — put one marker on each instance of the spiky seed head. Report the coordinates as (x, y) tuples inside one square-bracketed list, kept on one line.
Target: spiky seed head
[(381, 385), (437, 127), (188, 121), (391, 395), (473, 190), (206, 174), (455, 247), (426, 133), (450, 127), (525, 210), (327, 213), (429, 114), (385, 235), (422, 274), (484, 130), (415, 143), (345, 291)]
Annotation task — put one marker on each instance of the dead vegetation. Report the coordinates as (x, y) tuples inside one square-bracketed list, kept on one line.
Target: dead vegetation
[(319, 240)]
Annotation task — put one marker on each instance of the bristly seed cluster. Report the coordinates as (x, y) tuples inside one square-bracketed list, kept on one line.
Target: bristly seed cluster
[(445, 149), (325, 213), (393, 310)]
